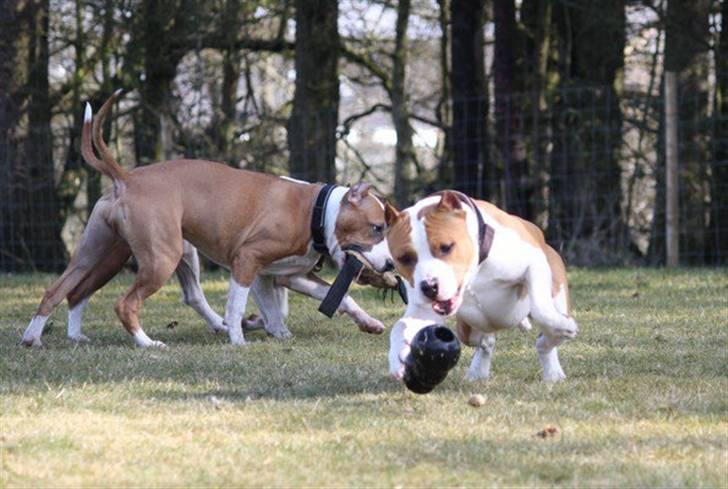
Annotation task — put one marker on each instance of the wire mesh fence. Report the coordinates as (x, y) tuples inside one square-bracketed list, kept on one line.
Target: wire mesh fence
[(585, 164)]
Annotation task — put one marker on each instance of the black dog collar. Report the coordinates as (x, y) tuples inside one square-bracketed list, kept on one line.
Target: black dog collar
[(318, 219)]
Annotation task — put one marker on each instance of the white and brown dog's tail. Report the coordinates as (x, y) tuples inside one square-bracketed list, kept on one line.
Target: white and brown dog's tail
[(92, 129)]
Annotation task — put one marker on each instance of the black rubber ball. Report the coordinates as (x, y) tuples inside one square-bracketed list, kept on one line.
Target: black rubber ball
[(434, 351)]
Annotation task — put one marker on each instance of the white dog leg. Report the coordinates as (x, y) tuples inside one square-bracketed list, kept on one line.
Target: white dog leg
[(234, 311), (33, 332), (549, 356), (318, 290), (398, 349), (482, 359), (75, 315), (400, 339), (188, 274), (268, 296), (543, 309)]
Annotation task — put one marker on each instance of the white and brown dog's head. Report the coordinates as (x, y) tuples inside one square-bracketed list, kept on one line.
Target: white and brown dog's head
[(358, 226), (435, 249)]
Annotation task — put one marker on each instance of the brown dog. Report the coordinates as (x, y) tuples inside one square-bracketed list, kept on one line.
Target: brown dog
[(256, 225)]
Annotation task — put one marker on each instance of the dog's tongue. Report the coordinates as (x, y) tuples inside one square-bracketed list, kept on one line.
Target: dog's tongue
[(444, 308)]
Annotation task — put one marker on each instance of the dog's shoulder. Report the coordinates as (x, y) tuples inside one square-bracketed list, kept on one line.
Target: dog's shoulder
[(526, 230)]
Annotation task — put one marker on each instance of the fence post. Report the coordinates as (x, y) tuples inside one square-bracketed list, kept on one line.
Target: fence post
[(672, 224)]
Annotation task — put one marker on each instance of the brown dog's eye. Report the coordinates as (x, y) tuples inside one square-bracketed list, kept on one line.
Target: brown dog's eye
[(445, 249), (407, 259), (378, 229)]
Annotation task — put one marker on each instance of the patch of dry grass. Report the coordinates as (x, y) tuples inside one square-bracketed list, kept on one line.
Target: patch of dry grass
[(644, 404)]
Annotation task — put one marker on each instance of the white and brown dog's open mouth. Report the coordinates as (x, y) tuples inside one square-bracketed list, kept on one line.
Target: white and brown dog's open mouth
[(449, 306)]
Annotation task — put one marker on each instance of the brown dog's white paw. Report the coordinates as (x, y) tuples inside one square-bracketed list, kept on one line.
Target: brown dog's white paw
[(371, 326)]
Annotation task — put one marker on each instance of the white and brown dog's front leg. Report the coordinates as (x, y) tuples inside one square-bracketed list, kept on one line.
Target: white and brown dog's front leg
[(188, 274), (400, 339), (313, 286)]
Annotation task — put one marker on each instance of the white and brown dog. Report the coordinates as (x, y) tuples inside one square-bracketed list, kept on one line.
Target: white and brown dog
[(258, 226), (494, 270)]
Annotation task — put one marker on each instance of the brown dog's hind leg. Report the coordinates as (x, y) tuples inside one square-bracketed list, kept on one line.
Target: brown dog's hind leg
[(95, 243), (156, 265), (99, 276)]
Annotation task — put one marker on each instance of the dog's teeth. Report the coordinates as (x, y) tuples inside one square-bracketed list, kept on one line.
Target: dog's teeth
[(88, 115)]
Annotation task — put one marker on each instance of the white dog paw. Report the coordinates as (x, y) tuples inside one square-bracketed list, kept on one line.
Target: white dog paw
[(218, 328), (81, 338), (281, 333), (371, 326), (553, 374), (471, 376), (567, 329), (396, 368), (34, 342)]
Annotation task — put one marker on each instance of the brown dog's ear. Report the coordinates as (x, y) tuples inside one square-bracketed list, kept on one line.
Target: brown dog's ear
[(358, 192), (449, 201), (390, 214)]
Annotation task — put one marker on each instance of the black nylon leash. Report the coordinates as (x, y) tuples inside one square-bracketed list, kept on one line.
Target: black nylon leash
[(340, 287)]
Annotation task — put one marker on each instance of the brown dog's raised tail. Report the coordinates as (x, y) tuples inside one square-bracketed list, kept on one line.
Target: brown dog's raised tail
[(92, 130)]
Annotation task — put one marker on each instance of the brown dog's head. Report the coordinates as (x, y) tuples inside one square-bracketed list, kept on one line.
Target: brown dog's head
[(360, 227)]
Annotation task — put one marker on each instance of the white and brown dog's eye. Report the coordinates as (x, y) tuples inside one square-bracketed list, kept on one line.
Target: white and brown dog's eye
[(445, 249), (378, 229)]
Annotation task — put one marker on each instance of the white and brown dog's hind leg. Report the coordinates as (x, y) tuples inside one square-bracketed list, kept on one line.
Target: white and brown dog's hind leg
[(554, 322), (188, 275), (551, 336), (317, 288), (482, 359), (270, 301)]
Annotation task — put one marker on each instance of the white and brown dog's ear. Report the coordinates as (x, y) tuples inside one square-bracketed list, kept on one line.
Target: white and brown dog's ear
[(390, 214), (358, 192), (449, 201)]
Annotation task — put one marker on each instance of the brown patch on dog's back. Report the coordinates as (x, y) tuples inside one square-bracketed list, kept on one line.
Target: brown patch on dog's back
[(399, 240), (533, 235)]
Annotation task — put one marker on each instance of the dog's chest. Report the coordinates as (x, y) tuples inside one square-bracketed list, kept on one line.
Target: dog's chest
[(293, 265), (490, 304)]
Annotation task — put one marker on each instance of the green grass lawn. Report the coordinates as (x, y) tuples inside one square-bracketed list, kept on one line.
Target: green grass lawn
[(645, 402)]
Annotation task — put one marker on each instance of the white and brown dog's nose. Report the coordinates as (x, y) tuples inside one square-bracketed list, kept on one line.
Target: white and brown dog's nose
[(429, 288)]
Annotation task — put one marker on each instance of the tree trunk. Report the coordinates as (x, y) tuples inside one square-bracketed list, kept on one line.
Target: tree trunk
[(718, 243), (223, 123), (444, 112), (164, 23), (508, 82), (405, 156), (30, 224), (585, 175), (469, 138), (312, 124)]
